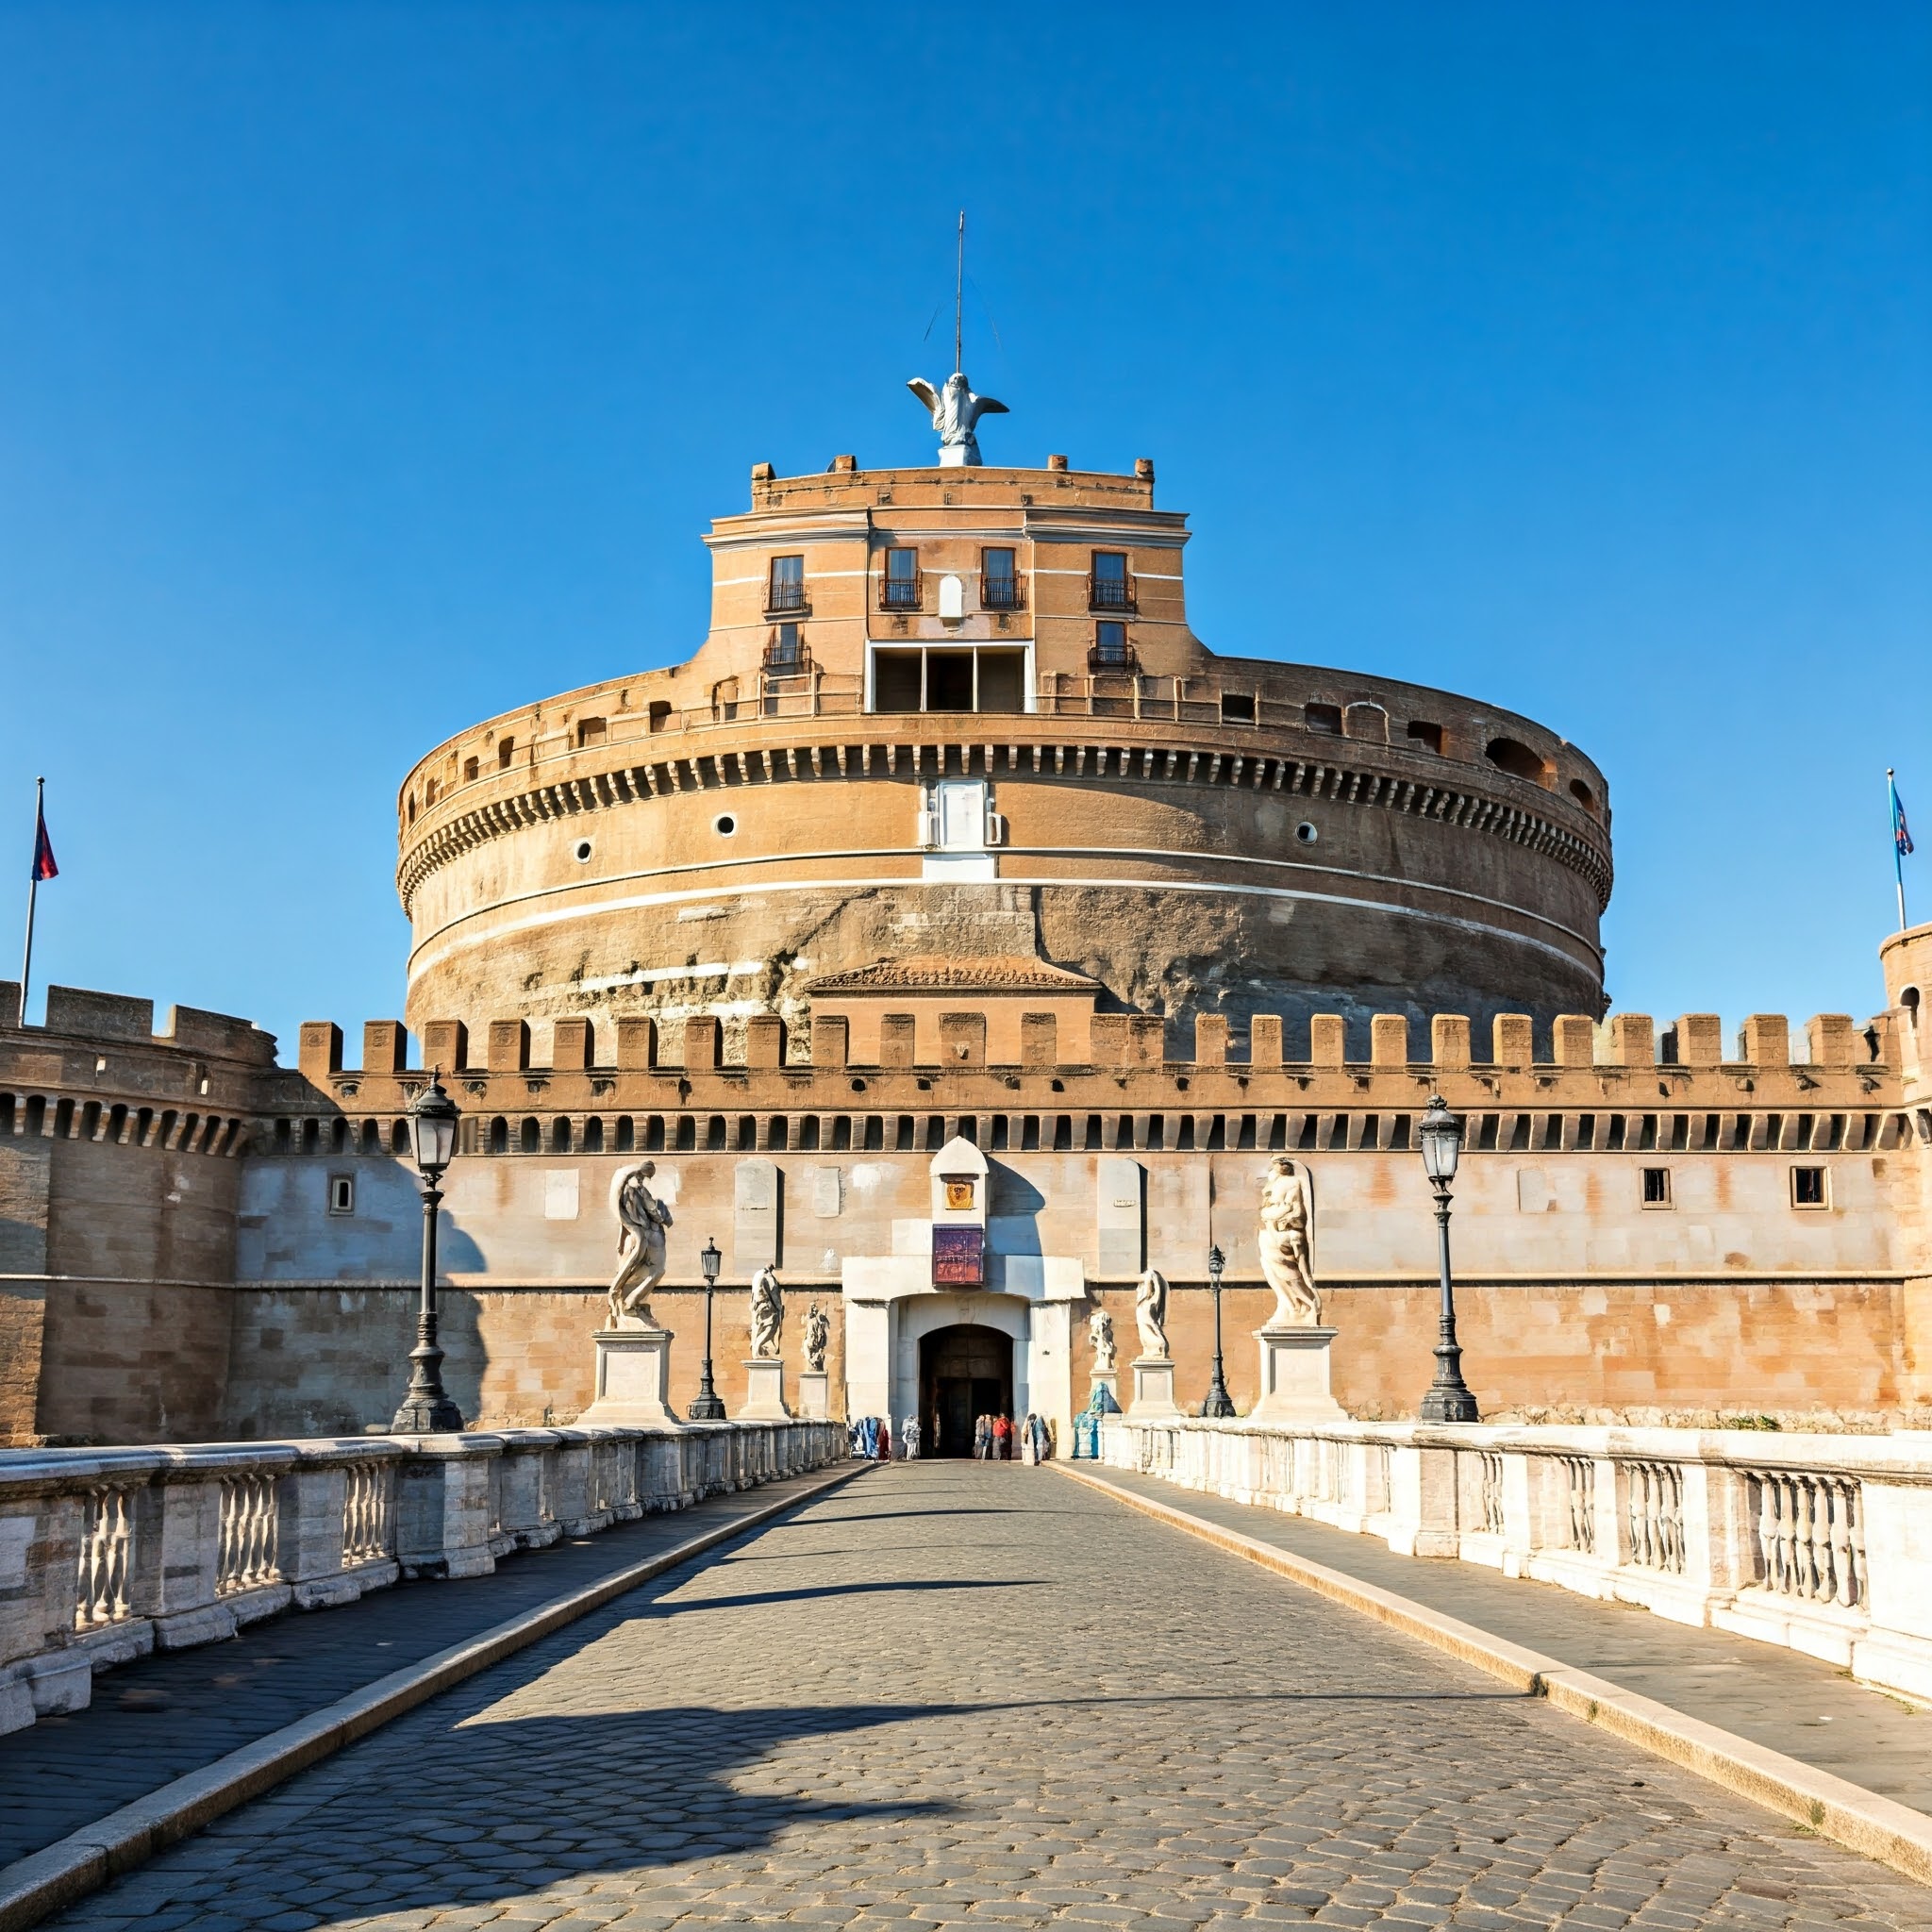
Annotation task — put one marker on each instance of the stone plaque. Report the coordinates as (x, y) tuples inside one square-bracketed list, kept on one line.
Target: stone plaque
[(754, 1215), (827, 1192), (561, 1194), (1117, 1218)]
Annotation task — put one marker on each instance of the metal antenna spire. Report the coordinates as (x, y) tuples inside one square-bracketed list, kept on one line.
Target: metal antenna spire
[(959, 293)]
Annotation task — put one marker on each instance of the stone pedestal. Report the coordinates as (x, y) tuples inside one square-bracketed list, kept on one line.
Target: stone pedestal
[(814, 1394), (1153, 1389), (1294, 1376), (633, 1378), (764, 1391)]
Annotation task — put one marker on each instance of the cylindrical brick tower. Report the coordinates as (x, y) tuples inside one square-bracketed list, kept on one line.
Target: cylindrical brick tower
[(960, 713)]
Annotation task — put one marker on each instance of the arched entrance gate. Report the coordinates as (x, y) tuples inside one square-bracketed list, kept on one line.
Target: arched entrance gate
[(965, 1371)]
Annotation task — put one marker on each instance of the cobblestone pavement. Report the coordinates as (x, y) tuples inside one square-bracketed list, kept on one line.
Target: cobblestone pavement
[(1807, 1708), (163, 1716), (956, 1694)]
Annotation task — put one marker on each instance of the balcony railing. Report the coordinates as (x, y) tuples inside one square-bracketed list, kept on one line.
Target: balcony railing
[(787, 660), (1112, 594), (902, 593), (1002, 593), (786, 600), (1118, 659)]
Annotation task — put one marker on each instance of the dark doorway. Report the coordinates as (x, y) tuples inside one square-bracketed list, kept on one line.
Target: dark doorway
[(963, 1372)]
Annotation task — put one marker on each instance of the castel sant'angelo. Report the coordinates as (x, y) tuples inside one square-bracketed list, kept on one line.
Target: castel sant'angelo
[(953, 880)]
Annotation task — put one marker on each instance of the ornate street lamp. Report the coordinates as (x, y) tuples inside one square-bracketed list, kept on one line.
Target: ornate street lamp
[(1219, 1402), (1448, 1399), (426, 1409), (705, 1406)]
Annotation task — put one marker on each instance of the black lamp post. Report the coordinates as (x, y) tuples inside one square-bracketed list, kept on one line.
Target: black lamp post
[(1218, 1402), (705, 1406), (1448, 1399), (426, 1409)]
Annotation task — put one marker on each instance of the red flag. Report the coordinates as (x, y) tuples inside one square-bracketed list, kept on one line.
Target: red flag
[(45, 867)]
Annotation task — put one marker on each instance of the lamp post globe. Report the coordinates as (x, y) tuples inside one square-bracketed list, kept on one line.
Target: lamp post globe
[(427, 1409), (1219, 1402), (707, 1406), (1448, 1399)]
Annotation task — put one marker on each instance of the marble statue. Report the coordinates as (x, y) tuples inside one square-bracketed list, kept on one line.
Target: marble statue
[(1286, 1242), (642, 1220), (1150, 1315), (767, 1314), (818, 1337), (1100, 1333), (955, 411)]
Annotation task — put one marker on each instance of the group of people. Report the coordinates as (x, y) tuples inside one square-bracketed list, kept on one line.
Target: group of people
[(997, 1438), (870, 1439)]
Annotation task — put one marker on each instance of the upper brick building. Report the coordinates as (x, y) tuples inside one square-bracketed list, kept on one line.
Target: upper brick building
[(961, 711)]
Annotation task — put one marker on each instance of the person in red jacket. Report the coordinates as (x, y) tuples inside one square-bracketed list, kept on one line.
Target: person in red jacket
[(1003, 1438)]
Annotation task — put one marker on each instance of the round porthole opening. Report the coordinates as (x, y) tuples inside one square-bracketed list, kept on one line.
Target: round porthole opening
[(1307, 833), (725, 824), (582, 852)]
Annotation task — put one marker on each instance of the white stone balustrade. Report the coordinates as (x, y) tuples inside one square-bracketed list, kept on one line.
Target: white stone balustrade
[(1820, 1542), (108, 1553)]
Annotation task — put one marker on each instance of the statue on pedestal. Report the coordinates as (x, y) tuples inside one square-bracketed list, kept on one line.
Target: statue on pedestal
[(767, 1314), (642, 1221), (1100, 1334), (818, 1337), (1150, 1314), (1286, 1244)]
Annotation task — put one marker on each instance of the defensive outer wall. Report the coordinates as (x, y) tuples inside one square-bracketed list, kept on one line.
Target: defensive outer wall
[(173, 1270)]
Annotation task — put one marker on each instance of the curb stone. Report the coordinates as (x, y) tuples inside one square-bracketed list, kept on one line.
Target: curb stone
[(67, 1871), (1864, 1821)]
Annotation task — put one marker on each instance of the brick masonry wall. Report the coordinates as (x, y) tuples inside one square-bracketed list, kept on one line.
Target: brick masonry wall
[(327, 1362), (333, 1361), (134, 1361)]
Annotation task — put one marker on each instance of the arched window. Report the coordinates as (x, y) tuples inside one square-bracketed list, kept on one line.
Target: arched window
[(531, 1139), (593, 1135), (559, 1136), (499, 1134), (1509, 755)]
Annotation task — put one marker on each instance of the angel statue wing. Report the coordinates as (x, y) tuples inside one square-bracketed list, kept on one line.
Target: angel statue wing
[(989, 406), (925, 391)]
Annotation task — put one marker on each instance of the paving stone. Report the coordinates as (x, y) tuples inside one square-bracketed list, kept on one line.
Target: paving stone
[(969, 1695)]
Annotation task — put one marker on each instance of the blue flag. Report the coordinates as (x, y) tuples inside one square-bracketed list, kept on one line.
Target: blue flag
[(1900, 832)]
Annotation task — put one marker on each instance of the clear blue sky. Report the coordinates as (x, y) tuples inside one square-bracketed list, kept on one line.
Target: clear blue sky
[(364, 370)]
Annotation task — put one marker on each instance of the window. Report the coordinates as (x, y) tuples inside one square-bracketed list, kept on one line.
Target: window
[(900, 590), (1657, 1187), (1110, 645), (471, 767), (589, 731), (1808, 1188), (999, 588), (1582, 795), (1324, 717), (896, 681), (1425, 737), (1110, 588), (659, 714), (341, 1193), (505, 751), (1509, 756), (1237, 707), (786, 651), (786, 589)]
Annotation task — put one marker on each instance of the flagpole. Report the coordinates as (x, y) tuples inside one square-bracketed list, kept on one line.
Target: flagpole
[(33, 887), (1898, 856)]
